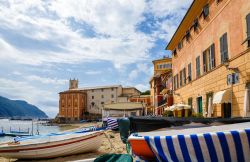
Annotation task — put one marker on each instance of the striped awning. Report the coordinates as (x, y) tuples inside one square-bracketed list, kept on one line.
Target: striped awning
[(223, 97)]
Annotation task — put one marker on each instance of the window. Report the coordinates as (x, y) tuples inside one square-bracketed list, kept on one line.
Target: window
[(176, 82), (102, 96), (92, 90), (179, 45), (205, 11), (189, 72), (196, 24), (112, 89), (183, 77), (198, 73), (174, 52), (248, 30), (112, 96), (93, 97), (102, 103), (102, 90), (208, 59), (187, 35), (223, 48)]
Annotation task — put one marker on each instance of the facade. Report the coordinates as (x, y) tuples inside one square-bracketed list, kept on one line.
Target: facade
[(98, 96), (145, 99), (78, 103), (160, 84), (211, 58), (72, 103)]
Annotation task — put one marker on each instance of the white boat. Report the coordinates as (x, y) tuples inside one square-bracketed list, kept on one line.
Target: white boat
[(52, 145)]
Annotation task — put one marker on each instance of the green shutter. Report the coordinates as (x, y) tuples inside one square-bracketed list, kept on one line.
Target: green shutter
[(225, 47), (221, 49), (184, 75), (204, 62), (212, 56), (248, 25)]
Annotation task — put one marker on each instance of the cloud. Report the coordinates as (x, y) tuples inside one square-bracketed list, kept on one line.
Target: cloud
[(22, 90), (47, 80), (90, 72), (47, 23)]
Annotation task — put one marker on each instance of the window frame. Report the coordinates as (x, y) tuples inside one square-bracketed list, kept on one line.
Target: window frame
[(198, 71)]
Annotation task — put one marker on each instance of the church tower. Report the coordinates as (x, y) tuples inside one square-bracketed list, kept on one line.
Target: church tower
[(73, 84)]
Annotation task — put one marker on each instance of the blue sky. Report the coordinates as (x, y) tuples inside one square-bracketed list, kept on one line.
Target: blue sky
[(44, 43)]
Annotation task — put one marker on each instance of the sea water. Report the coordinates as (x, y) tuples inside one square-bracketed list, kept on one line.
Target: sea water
[(24, 125)]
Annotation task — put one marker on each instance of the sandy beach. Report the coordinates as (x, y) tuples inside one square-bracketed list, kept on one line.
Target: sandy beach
[(118, 146)]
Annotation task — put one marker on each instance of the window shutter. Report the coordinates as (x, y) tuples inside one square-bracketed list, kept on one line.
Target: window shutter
[(189, 72), (184, 75), (225, 47), (212, 57), (221, 49), (198, 66), (177, 81), (180, 78), (248, 25), (204, 62)]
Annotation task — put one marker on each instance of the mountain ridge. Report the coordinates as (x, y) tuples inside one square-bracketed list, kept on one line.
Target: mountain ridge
[(19, 108)]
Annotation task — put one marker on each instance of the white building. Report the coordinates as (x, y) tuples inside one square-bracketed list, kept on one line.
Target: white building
[(98, 96)]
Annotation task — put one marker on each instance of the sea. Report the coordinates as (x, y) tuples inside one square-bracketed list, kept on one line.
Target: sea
[(39, 127)]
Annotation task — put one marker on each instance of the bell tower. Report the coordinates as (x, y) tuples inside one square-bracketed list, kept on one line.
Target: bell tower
[(73, 84)]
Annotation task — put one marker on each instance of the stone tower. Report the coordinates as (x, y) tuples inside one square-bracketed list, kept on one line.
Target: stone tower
[(73, 84)]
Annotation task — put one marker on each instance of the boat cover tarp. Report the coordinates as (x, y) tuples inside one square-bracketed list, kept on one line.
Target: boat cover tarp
[(146, 124), (216, 146), (114, 158)]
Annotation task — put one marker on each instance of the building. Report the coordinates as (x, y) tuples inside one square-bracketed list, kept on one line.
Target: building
[(123, 109), (145, 99), (159, 85), (100, 95), (78, 103), (211, 58), (72, 103)]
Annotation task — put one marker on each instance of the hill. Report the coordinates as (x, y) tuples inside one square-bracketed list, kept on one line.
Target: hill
[(19, 109)]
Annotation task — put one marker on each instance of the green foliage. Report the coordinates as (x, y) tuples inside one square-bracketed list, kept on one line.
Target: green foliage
[(19, 108), (168, 113), (147, 92)]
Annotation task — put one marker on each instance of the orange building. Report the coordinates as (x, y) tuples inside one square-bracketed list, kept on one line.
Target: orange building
[(72, 103), (160, 84), (145, 99), (211, 58)]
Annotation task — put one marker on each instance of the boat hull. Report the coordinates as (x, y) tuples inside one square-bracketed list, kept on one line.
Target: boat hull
[(82, 144)]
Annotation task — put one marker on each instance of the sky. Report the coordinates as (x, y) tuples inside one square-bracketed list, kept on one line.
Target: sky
[(44, 43)]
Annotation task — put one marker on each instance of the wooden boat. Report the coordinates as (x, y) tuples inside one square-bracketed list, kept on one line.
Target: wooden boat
[(52, 145), (216, 143)]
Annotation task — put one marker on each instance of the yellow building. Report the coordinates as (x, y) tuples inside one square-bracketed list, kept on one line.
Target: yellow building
[(211, 58), (162, 70)]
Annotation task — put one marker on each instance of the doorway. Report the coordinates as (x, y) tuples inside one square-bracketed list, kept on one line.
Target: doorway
[(226, 110), (199, 105)]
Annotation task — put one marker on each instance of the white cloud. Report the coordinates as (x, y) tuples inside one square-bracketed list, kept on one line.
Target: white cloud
[(25, 91), (142, 87), (92, 72), (46, 80), (114, 22)]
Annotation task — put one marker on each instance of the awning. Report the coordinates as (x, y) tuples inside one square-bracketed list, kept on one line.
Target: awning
[(164, 91), (127, 106), (178, 107), (223, 97)]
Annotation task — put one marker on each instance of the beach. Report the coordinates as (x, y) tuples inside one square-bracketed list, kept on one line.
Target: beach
[(118, 146)]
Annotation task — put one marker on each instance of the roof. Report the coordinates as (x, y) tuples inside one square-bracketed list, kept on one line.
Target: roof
[(187, 21), (99, 87), (72, 91), (165, 58), (123, 106)]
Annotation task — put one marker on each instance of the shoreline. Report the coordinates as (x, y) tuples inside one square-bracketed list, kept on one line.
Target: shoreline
[(105, 147)]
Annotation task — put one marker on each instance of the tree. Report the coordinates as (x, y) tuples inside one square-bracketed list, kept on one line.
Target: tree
[(147, 92)]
